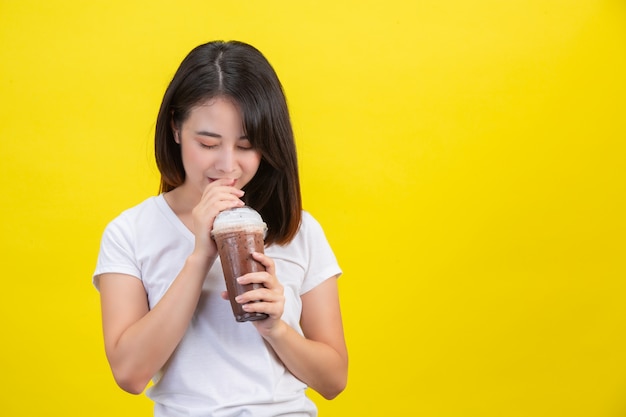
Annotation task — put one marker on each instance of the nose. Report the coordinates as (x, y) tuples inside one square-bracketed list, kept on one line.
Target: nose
[(226, 160)]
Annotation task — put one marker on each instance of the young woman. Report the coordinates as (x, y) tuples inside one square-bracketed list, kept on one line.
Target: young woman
[(223, 139)]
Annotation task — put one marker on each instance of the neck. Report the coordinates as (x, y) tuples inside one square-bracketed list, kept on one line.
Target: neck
[(182, 199)]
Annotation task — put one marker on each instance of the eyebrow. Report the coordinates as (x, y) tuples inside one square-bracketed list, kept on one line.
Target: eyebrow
[(216, 135)]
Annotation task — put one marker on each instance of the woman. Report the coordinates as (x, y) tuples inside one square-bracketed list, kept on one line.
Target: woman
[(223, 140)]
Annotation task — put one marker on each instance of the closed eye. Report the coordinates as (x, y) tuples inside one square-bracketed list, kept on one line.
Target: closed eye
[(244, 144), (206, 146)]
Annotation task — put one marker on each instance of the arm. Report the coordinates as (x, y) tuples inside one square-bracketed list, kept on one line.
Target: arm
[(138, 341), (320, 358)]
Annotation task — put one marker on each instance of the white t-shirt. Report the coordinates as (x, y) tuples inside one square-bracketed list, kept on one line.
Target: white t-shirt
[(220, 367)]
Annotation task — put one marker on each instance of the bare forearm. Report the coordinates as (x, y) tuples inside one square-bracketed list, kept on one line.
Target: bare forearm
[(316, 364)]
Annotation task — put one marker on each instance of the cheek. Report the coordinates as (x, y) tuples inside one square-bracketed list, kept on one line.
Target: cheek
[(253, 162), (192, 160), (187, 157)]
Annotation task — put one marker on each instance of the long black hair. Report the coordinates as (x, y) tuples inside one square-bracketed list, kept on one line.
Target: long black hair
[(240, 72)]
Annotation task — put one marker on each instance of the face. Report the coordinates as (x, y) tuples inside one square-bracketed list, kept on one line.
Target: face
[(214, 146)]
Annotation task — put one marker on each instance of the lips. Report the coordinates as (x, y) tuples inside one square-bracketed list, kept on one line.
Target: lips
[(232, 180)]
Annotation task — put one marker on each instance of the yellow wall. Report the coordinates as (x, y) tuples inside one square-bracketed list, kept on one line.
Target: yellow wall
[(467, 159)]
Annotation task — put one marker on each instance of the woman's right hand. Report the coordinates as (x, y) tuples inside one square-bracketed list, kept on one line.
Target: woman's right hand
[(218, 196), (138, 339)]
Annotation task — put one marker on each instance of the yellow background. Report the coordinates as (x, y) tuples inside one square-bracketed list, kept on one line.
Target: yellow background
[(466, 158)]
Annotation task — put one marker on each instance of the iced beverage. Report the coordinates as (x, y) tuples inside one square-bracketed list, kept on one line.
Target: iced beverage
[(238, 233)]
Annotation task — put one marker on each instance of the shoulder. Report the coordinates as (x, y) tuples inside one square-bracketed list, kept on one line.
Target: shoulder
[(125, 223), (309, 223), (309, 230), (147, 205), (310, 238), (138, 211)]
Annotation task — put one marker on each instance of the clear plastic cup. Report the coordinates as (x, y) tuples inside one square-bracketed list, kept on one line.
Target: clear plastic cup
[(239, 232)]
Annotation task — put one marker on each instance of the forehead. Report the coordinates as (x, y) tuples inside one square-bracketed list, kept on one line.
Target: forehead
[(220, 110)]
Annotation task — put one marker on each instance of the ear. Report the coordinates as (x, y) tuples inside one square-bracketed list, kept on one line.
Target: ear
[(175, 131)]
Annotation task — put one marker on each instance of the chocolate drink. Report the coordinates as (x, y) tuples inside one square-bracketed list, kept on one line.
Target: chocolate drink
[(238, 233)]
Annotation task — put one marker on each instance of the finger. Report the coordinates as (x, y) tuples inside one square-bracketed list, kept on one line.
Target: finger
[(262, 307), (263, 295), (217, 199), (266, 261), (259, 294), (220, 195), (273, 309), (262, 277), (223, 184)]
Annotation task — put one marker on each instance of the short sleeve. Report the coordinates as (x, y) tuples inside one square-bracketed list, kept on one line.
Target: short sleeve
[(117, 252), (322, 263)]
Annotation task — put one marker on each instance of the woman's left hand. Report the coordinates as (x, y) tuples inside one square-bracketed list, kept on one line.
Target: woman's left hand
[(269, 300)]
